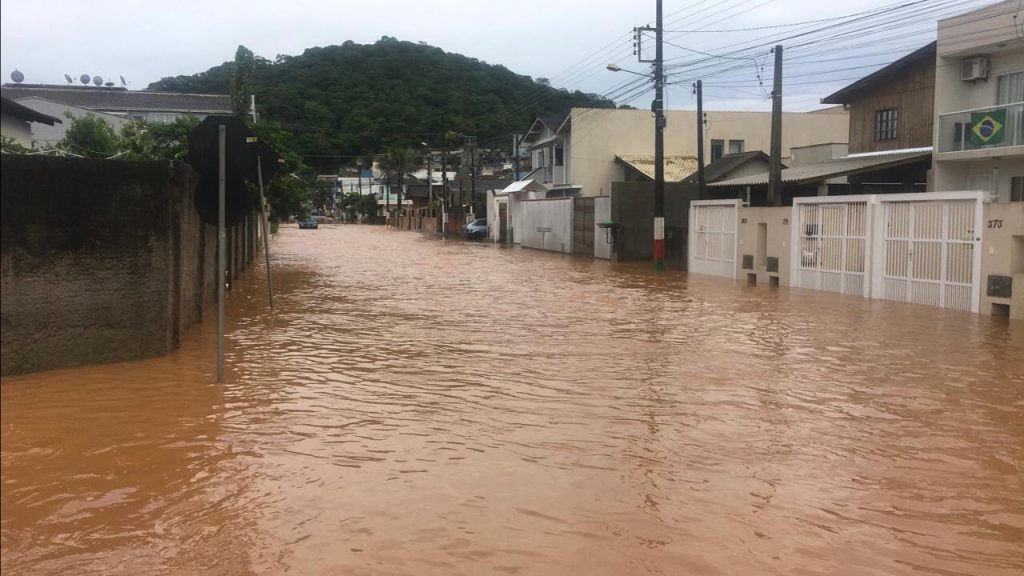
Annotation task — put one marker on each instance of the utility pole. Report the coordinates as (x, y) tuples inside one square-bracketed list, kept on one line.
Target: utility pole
[(444, 179), (515, 155), (775, 162), (701, 183), (472, 177), (659, 146), (264, 215)]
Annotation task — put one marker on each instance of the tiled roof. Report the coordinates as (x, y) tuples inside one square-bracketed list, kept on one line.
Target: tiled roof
[(114, 99), (676, 167)]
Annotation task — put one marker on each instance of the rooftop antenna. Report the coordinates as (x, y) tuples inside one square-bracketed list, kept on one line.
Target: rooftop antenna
[(108, 84), (97, 80), (124, 83), (17, 76), (69, 79), (84, 79)]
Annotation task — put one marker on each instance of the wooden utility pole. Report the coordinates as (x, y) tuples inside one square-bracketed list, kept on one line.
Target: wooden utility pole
[(701, 183), (775, 162)]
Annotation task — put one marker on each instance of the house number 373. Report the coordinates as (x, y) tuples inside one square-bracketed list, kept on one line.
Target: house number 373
[(995, 223)]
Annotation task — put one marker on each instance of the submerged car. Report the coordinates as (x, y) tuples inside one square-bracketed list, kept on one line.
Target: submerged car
[(476, 229), (308, 223)]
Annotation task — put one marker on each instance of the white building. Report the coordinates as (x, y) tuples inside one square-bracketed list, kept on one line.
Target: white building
[(576, 153), (44, 135), (17, 120), (979, 103)]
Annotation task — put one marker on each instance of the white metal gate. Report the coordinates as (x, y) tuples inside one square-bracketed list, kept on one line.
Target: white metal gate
[(930, 250), (713, 246), (831, 244)]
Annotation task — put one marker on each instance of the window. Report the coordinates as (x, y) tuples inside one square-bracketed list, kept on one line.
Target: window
[(1010, 88), (885, 124), (717, 149), (735, 146), (558, 156), (1017, 189)]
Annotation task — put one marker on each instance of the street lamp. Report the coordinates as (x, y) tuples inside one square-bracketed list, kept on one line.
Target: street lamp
[(659, 145)]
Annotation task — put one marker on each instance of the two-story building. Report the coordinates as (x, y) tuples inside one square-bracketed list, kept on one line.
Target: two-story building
[(979, 102), (581, 153)]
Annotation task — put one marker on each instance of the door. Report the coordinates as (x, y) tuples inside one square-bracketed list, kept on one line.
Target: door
[(503, 222), (583, 226), (831, 248), (930, 252), (713, 226)]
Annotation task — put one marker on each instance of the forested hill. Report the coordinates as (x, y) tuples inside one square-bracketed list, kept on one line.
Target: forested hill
[(361, 98)]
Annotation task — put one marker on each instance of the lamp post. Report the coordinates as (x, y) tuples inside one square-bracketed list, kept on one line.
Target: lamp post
[(658, 107)]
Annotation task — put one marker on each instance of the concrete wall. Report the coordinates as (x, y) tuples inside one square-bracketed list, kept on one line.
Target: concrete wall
[(103, 260), (598, 135), (1003, 255), (21, 131), (777, 220), (554, 214), (632, 208)]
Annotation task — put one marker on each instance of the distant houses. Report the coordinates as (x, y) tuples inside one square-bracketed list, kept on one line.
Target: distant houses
[(114, 105)]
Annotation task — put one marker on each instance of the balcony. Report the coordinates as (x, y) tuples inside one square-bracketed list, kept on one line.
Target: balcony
[(985, 130)]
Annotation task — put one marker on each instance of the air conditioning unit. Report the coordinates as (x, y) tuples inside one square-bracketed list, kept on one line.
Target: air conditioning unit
[(972, 69)]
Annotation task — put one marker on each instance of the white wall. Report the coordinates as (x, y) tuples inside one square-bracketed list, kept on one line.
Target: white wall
[(556, 214), (46, 135), (598, 135), (16, 128)]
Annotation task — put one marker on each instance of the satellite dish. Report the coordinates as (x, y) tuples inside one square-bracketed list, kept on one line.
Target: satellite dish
[(97, 80), (69, 79), (84, 79), (123, 81), (108, 84), (17, 76)]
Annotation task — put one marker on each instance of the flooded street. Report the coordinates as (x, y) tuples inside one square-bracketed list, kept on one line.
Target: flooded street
[(422, 407)]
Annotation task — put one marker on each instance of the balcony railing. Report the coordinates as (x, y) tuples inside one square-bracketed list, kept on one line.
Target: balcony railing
[(982, 129)]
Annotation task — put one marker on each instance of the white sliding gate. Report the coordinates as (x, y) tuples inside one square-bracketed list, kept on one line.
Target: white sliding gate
[(830, 240), (713, 247), (917, 248), (929, 251)]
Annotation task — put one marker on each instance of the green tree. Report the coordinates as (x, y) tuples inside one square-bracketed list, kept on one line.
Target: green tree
[(9, 145), (358, 99), (158, 141), (241, 82), (90, 136)]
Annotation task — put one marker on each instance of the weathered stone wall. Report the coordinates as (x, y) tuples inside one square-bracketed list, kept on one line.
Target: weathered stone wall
[(102, 260)]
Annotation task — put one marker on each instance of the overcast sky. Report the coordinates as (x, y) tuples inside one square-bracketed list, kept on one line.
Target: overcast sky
[(144, 41)]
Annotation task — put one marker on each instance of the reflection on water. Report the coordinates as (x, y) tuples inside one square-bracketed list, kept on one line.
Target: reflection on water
[(418, 407)]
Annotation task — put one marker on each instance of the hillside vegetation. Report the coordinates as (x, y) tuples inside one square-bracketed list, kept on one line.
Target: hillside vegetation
[(360, 99)]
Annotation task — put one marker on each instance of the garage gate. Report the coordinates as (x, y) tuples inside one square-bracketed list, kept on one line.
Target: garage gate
[(714, 249), (914, 248), (832, 244)]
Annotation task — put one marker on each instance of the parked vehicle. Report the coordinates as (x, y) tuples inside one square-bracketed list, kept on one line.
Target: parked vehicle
[(308, 223), (476, 229)]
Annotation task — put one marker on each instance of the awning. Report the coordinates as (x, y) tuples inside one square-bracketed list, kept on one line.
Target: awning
[(529, 185), (821, 171), (676, 167)]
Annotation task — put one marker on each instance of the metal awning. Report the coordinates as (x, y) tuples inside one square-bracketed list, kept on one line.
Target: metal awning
[(821, 171)]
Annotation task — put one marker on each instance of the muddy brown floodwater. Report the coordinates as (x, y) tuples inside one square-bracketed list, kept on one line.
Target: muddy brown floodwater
[(421, 407)]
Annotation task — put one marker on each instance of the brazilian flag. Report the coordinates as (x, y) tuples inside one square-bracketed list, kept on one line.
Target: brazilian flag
[(988, 128)]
